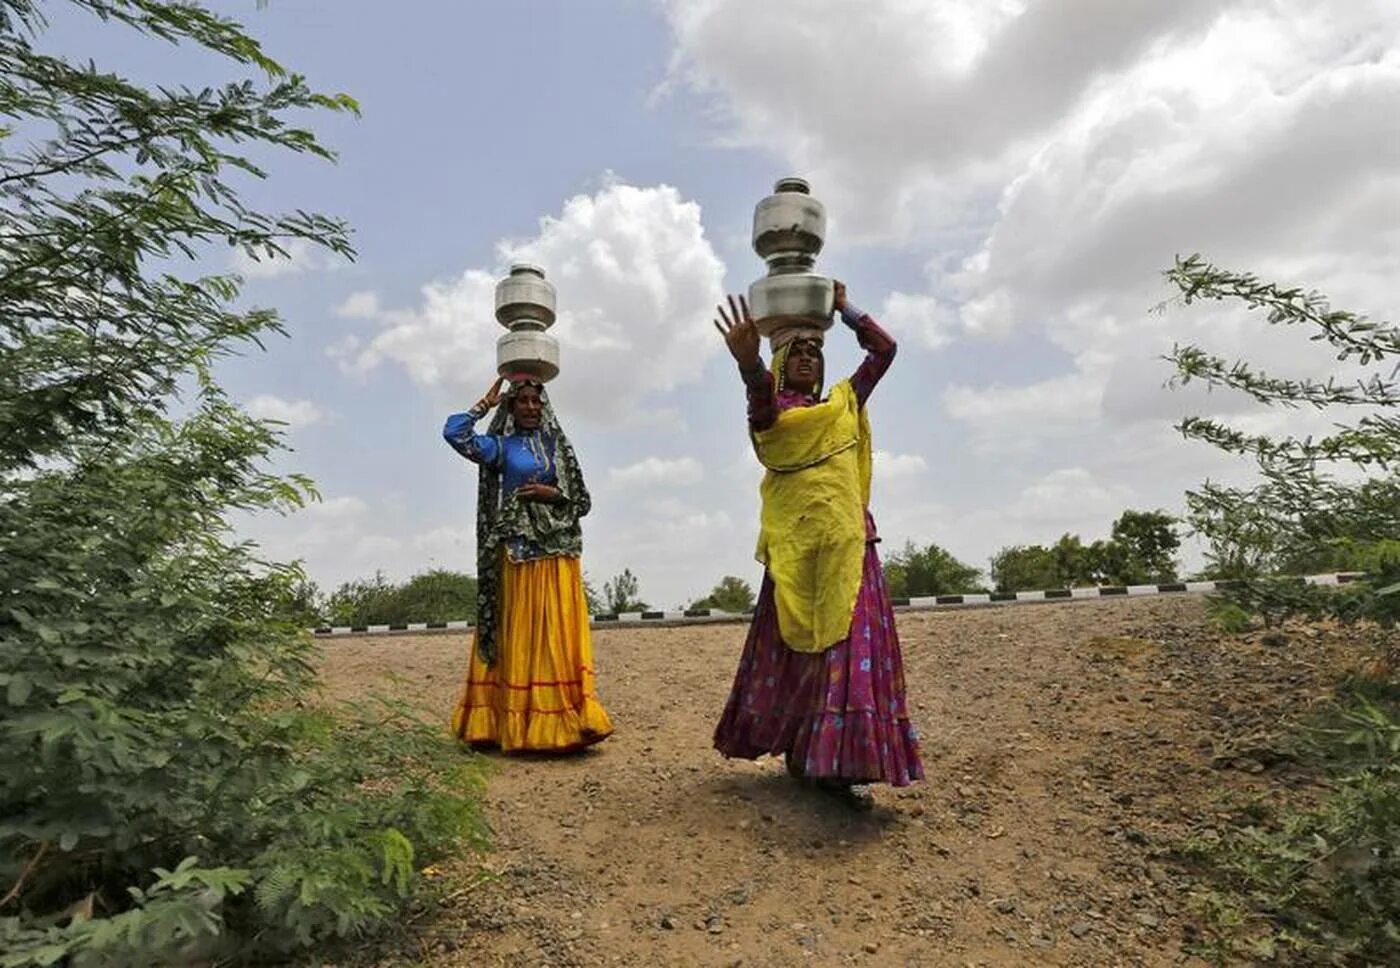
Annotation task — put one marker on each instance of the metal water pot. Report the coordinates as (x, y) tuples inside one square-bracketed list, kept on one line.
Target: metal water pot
[(528, 351), (525, 294), (525, 306), (789, 230)]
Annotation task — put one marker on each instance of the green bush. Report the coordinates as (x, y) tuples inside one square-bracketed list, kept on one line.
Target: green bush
[(730, 594), (1319, 885), (1141, 550), (1027, 568), (1321, 503), (167, 793), (913, 572), (433, 596), (1228, 616), (1315, 885), (623, 594)]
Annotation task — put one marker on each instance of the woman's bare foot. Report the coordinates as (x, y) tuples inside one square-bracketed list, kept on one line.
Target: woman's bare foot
[(856, 795)]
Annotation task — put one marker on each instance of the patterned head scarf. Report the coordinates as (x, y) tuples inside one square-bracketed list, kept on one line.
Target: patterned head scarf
[(791, 334), (547, 530)]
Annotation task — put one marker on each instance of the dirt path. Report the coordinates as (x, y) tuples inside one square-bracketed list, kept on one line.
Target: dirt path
[(1066, 746)]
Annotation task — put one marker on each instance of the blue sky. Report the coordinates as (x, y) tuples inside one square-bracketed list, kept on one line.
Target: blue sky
[(1004, 181)]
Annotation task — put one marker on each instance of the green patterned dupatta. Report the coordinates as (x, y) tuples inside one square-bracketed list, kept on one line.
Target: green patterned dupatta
[(545, 530)]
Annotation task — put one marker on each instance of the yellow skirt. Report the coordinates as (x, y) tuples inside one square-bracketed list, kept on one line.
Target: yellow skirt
[(540, 693)]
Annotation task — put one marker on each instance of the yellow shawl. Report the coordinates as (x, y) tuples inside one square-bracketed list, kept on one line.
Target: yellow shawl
[(812, 525)]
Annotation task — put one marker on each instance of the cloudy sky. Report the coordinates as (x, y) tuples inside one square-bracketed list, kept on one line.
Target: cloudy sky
[(1004, 180)]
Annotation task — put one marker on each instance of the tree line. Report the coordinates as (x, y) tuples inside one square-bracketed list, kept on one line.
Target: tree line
[(1140, 549)]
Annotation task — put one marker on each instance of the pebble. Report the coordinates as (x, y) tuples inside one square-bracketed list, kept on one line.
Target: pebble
[(1080, 928)]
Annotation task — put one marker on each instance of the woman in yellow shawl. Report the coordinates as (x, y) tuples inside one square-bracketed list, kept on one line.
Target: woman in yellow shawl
[(821, 680)]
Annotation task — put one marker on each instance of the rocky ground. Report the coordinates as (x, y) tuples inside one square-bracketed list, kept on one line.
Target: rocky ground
[(1068, 747)]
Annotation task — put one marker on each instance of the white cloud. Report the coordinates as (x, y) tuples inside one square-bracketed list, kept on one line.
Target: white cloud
[(1044, 160), (675, 549), (893, 467), (1069, 495), (662, 422), (447, 543), (658, 472), (895, 106), (1059, 398), (294, 413), (302, 256), (919, 313), (359, 305), (340, 508), (1115, 133), (345, 536), (1161, 164), (1001, 419), (637, 283)]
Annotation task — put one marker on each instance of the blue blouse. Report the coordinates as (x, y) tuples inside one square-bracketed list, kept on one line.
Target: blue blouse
[(524, 457)]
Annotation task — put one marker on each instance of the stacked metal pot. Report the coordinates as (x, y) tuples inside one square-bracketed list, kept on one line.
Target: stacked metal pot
[(789, 229), (525, 307)]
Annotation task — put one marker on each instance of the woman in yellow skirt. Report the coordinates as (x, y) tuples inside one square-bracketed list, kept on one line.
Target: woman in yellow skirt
[(530, 678)]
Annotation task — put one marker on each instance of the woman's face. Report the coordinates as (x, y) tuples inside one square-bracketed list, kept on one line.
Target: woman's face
[(525, 407), (803, 369)]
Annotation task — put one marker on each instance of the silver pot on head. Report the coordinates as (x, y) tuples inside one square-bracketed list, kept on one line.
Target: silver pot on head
[(525, 305), (789, 230)]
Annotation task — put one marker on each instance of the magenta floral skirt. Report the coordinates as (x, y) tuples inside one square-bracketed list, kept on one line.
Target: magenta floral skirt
[(838, 714)]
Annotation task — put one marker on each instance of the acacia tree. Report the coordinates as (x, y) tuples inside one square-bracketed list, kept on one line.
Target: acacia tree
[(164, 794), (1302, 510), (730, 594), (1142, 548), (1326, 880), (623, 593), (912, 572), (438, 595)]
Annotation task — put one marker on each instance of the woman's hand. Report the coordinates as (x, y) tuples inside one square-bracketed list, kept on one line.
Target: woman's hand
[(539, 493), (739, 332), (838, 290), (493, 395)]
